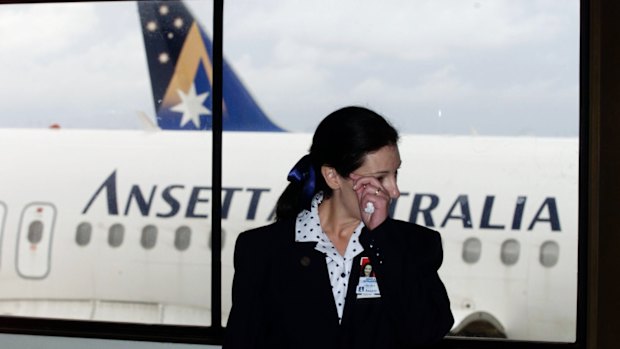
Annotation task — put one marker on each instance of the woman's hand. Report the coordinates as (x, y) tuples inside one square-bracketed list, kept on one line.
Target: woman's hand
[(373, 200)]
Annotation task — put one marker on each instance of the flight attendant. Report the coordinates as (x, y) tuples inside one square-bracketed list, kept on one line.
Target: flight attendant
[(302, 281)]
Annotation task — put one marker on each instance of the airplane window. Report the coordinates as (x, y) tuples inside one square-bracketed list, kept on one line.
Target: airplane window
[(35, 232), (549, 253), (223, 239), (116, 233), (472, 248), (182, 238), (149, 236), (510, 252), (83, 233)]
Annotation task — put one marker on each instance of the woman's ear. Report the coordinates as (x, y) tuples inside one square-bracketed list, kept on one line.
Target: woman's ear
[(331, 177)]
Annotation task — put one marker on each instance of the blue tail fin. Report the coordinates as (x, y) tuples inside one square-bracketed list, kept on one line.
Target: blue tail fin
[(179, 55)]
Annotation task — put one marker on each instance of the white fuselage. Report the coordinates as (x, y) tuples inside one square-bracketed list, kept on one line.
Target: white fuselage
[(115, 225)]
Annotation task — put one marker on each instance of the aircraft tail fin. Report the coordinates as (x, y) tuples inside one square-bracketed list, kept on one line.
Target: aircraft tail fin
[(179, 55)]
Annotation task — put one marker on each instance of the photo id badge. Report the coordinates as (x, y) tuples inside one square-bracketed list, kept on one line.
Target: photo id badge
[(367, 286)]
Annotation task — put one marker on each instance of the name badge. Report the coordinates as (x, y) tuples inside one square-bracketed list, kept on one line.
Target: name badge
[(367, 286)]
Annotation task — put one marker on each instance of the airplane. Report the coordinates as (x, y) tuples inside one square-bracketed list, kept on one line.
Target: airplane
[(114, 225)]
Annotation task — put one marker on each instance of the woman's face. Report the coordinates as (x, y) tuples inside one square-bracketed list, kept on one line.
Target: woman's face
[(383, 165), (367, 269)]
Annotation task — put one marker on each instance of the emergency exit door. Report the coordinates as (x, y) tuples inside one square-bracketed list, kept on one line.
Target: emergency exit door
[(34, 244)]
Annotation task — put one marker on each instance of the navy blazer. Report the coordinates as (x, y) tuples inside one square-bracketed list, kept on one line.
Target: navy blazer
[(282, 295)]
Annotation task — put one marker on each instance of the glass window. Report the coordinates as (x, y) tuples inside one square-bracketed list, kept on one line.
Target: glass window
[(116, 234), (182, 238), (149, 237), (88, 89), (510, 252), (485, 95), (35, 232), (549, 253), (223, 239), (83, 233), (472, 248)]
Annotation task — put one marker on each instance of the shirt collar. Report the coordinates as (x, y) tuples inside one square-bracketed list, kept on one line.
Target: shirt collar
[(308, 227)]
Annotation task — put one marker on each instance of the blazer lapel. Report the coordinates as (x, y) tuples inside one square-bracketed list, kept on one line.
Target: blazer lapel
[(313, 273)]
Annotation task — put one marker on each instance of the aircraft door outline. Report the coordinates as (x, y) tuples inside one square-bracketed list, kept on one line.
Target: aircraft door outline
[(34, 241)]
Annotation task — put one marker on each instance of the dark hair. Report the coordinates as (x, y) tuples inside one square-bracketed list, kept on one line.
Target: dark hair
[(341, 141)]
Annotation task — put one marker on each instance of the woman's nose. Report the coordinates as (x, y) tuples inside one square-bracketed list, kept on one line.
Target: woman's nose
[(393, 190)]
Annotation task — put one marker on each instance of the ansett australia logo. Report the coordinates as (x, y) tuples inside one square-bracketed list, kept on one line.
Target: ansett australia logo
[(171, 200), (429, 209)]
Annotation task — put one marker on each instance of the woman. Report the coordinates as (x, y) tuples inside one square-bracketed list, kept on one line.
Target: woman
[(293, 285)]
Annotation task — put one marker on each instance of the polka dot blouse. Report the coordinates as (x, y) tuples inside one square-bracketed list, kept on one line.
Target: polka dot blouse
[(308, 229)]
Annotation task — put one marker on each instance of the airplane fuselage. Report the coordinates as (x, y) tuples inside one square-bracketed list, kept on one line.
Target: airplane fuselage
[(104, 221)]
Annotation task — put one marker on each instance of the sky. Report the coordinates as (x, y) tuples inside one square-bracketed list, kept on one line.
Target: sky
[(430, 66)]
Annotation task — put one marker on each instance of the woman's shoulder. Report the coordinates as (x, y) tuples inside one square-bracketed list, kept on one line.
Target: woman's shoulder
[(269, 233), (411, 231), (422, 244)]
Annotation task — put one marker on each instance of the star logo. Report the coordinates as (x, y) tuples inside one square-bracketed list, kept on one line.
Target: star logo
[(192, 106)]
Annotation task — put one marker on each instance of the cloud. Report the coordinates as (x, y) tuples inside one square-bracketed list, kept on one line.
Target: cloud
[(416, 55), (474, 60), (71, 72), (412, 30), (53, 27)]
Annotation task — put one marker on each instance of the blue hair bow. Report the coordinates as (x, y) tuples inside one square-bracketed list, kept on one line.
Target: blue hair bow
[(303, 173)]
